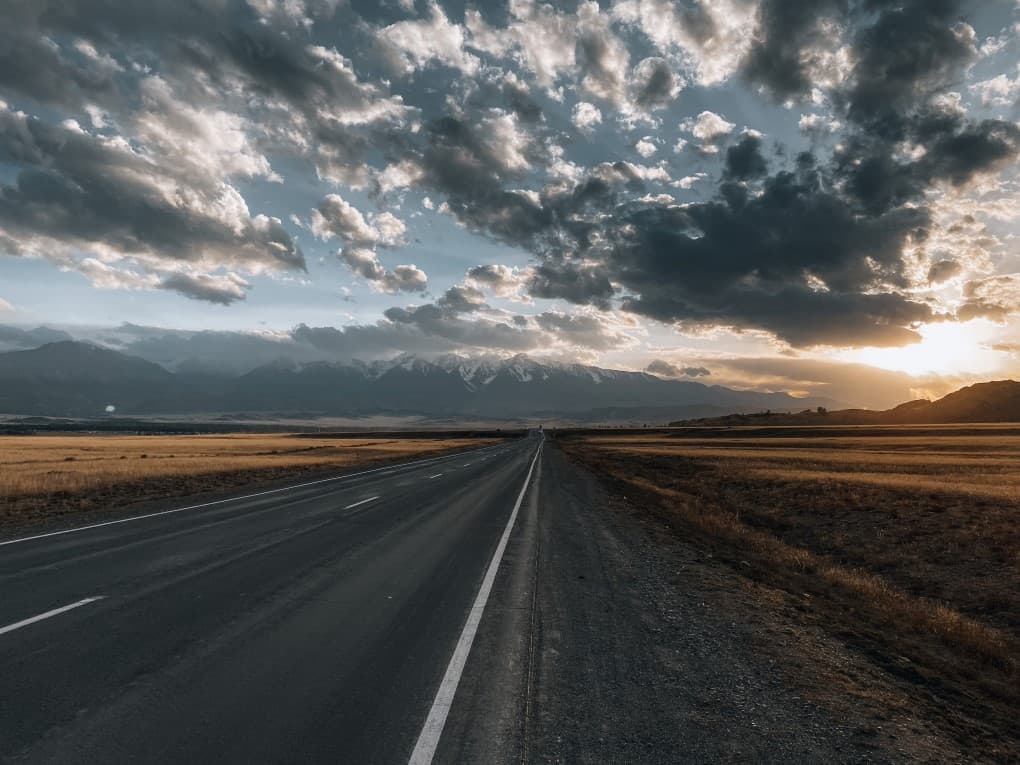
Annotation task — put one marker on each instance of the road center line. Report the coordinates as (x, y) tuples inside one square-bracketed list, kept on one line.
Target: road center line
[(48, 614), (362, 502), (428, 739)]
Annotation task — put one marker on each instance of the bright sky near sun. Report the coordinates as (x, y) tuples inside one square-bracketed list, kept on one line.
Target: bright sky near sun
[(810, 197)]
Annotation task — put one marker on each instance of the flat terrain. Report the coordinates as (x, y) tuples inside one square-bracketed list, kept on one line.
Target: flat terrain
[(47, 477), (315, 624), (902, 545)]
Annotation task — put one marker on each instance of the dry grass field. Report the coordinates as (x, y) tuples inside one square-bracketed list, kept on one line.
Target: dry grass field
[(905, 545), (47, 476)]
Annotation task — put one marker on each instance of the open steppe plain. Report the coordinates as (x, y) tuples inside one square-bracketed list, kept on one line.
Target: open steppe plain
[(901, 542), (57, 478)]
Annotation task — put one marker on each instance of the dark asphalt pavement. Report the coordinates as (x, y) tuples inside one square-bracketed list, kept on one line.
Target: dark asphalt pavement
[(305, 625)]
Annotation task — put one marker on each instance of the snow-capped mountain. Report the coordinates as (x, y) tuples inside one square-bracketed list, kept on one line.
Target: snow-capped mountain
[(53, 380)]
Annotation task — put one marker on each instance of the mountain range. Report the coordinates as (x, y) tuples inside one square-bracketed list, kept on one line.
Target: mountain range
[(76, 379)]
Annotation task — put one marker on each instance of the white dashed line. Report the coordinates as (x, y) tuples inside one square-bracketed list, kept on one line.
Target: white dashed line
[(433, 476), (362, 502), (47, 615)]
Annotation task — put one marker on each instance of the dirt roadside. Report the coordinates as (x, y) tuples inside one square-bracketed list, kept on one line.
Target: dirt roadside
[(647, 649)]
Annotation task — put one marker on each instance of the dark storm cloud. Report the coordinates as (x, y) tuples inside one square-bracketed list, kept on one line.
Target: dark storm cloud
[(654, 83), (809, 249), (913, 50), (464, 162), (906, 56), (813, 255), (788, 33), (579, 284), (78, 189), (224, 41), (744, 260), (744, 161), (213, 289), (954, 153)]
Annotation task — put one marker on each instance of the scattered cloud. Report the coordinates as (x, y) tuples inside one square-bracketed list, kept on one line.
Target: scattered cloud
[(662, 368), (221, 151)]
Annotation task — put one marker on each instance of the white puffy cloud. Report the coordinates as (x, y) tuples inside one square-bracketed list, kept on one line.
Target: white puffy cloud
[(365, 263), (424, 41), (1000, 90), (541, 40), (817, 124), (709, 40), (390, 230), (500, 280), (585, 116), (708, 127), (335, 217), (645, 147)]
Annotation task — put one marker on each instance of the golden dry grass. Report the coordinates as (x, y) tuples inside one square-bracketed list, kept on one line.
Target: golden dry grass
[(908, 546), (43, 475)]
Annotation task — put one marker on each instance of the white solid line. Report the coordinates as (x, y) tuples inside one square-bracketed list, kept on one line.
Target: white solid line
[(433, 476), (428, 739), (361, 502), (234, 499), (48, 614)]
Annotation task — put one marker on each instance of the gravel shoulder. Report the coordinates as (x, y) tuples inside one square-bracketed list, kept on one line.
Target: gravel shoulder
[(645, 649)]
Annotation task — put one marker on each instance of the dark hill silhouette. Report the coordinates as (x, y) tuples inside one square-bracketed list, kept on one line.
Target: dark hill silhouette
[(74, 378), (997, 401)]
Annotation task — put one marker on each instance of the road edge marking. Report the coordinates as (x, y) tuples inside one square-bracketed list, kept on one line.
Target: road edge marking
[(432, 730), (237, 499), (48, 614)]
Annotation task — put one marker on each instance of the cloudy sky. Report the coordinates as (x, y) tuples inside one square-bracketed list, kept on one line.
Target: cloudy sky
[(777, 194)]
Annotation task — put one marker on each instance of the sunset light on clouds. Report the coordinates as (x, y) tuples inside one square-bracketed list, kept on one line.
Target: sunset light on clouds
[(710, 183)]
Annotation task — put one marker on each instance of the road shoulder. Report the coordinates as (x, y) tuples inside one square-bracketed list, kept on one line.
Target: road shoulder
[(648, 650)]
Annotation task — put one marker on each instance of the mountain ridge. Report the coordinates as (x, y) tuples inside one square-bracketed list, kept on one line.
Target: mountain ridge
[(71, 378)]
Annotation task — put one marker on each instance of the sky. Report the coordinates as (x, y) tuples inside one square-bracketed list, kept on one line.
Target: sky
[(820, 197)]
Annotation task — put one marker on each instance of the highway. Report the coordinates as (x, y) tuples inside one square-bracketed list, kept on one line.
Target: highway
[(328, 622), (498, 606)]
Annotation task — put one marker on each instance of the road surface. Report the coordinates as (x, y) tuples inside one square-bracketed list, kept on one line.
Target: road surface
[(307, 625), (489, 607)]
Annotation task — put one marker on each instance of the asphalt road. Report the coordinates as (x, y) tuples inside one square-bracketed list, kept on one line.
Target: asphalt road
[(314, 624), (342, 622)]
